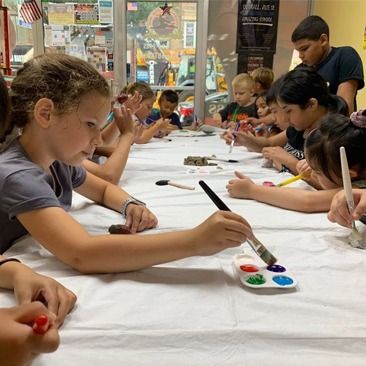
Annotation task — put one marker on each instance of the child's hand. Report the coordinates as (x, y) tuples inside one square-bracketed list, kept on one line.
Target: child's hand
[(133, 102), (18, 342), (240, 188), (221, 230), (275, 153), (30, 286), (140, 218), (163, 123), (253, 121), (339, 211), (123, 120), (303, 168)]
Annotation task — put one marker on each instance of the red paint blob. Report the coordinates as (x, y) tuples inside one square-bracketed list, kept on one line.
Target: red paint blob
[(249, 268), (42, 320)]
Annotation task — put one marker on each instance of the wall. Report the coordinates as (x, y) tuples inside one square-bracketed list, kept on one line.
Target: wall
[(347, 21), (222, 28)]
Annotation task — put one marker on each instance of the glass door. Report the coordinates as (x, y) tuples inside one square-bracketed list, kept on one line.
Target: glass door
[(163, 49)]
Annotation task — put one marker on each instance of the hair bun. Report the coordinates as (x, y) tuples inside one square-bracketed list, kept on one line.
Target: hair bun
[(359, 118)]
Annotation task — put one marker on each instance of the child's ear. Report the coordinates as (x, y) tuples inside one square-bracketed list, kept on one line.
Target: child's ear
[(313, 103), (323, 39), (42, 111)]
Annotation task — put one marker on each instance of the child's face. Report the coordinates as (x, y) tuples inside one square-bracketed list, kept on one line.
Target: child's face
[(262, 107), (73, 137), (281, 118), (242, 95), (325, 182), (145, 109), (311, 52), (166, 108), (299, 118)]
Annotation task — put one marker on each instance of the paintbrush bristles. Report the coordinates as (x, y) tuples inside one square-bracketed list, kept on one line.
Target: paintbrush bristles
[(268, 258), (262, 251)]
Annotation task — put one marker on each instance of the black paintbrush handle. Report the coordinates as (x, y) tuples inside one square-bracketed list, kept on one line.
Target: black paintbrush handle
[(214, 198)]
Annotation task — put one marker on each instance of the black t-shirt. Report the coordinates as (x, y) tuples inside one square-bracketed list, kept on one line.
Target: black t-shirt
[(342, 64), (233, 112)]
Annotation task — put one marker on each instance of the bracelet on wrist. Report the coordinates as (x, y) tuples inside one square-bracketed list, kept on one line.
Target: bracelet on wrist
[(130, 200), (9, 260)]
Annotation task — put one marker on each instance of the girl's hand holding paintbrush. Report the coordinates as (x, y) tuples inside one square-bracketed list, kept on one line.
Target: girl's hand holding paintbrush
[(220, 231), (339, 211)]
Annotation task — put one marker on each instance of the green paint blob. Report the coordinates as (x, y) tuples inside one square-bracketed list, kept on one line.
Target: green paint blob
[(257, 279)]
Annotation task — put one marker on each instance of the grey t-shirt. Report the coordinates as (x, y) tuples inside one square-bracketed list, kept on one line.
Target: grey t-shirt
[(24, 187)]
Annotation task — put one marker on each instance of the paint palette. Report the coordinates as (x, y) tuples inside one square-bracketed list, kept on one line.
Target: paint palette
[(253, 273)]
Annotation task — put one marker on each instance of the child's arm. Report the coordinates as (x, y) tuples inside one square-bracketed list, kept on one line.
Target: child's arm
[(217, 119), (281, 157), (289, 198), (113, 168), (267, 120), (30, 286), (69, 241), (256, 143), (149, 132)]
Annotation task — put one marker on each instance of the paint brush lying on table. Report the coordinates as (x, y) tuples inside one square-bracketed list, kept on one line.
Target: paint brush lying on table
[(256, 245), (165, 182), (223, 160)]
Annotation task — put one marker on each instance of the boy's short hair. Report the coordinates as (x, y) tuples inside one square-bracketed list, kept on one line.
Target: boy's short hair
[(170, 95), (244, 80), (263, 76), (312, 27)]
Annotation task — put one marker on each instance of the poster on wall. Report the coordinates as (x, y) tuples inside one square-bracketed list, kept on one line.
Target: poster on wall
[(86, 14), (257, 25)]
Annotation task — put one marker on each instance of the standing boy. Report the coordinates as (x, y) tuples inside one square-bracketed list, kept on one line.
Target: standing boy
[(341, 67)]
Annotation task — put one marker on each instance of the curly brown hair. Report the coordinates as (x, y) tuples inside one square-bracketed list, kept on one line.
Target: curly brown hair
[(63, 79)]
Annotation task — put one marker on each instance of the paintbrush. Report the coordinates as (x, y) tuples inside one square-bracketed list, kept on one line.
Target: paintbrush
[(290, 180), (256, 245), (234, 133), (356, 239), (224, 160), (165, 182)]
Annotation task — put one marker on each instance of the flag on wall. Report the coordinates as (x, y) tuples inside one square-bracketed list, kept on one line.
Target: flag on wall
[(30, 11)]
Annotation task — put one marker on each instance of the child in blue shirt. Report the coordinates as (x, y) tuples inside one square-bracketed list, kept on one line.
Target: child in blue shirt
[(168, 102)]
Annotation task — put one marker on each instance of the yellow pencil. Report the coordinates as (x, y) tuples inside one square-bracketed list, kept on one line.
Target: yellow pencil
[(290, 180)]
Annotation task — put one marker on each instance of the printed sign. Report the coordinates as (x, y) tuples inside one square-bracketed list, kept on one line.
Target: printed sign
[(86, 14), (257, 25)]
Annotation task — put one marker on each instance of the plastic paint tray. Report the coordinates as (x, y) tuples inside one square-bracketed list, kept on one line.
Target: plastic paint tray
[(254, 273)]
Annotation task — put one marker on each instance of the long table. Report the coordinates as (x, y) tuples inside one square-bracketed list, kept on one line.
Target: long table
[(195, 311)]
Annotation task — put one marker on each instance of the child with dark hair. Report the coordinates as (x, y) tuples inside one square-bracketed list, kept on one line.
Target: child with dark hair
[(322, 155), (168, 102), (341, 67)]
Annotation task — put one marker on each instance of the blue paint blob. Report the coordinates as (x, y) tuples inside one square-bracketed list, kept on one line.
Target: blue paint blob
[(276, 268), (283, 280)]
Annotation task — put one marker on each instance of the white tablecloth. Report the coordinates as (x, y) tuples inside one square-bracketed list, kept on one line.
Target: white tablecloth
[(195, 311)]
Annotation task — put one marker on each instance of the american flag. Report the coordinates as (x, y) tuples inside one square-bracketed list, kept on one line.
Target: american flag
[(30, 11)]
